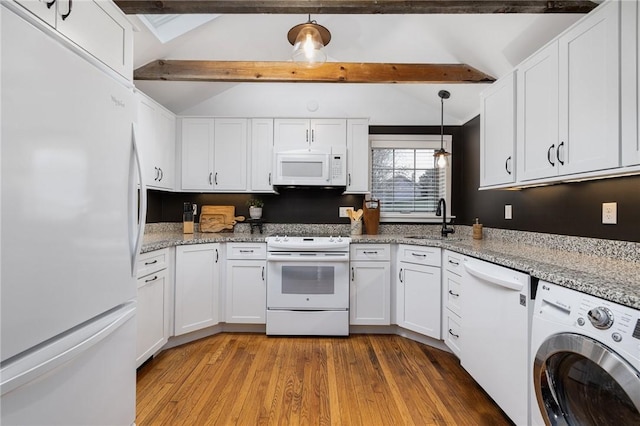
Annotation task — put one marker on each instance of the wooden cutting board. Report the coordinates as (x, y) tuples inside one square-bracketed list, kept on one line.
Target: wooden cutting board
[(218, 218)]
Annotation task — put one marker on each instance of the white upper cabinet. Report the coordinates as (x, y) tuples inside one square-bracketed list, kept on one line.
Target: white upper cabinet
[(302, 133), (589, 112), (230, 154), (537, 115), (498, 132), (261, 154), (156, 137), (568, 101), (97, 26), (214, 154), (630, 75), (358, 156)]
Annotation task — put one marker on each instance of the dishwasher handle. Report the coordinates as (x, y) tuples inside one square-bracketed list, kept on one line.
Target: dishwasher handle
[(478, 273)]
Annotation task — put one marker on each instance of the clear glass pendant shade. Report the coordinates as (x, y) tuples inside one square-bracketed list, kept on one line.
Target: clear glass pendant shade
[(307, 49)]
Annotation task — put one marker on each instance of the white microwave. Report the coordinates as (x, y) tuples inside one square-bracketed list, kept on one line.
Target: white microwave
[(311, 167)]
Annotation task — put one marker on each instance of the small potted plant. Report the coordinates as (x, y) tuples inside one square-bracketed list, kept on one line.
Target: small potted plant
[(255, 208)]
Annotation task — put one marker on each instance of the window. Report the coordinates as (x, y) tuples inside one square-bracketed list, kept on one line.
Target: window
[(405, 179)]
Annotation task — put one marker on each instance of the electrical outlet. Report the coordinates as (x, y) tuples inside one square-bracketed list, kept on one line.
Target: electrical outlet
[(610, 213), (508, 211), (342, 211)]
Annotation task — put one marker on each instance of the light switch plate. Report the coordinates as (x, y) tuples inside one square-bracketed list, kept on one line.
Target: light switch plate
[(508, 211), (609, 213)]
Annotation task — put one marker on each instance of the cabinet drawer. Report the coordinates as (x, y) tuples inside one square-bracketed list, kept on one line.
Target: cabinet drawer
[(246, 251), (452, 292), (452, 262), (419, 254), (370, 252), (151, 262), (452, 336)]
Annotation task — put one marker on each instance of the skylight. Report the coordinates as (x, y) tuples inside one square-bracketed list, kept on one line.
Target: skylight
[(168, 27)]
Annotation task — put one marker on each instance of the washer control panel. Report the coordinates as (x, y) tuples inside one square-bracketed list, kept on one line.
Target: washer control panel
[(613, 324)]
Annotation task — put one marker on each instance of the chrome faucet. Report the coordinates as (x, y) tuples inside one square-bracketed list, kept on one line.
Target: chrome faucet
[(442, 210)]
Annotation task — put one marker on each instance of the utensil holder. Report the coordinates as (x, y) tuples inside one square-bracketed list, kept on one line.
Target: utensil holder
[(356, 227)]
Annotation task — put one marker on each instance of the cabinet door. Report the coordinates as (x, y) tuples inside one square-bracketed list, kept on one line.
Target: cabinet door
[(41, 9), (166, 150), (370, 293), (197, 153), (328, 132), (230, 154), (358, 156), (630, 76), (261, 154), (99, 27), (146, 135), (498, 132), (418, 299), (590, 93), (537, 112), (152, 315), (246, 291), (196, 287), (291, 133)]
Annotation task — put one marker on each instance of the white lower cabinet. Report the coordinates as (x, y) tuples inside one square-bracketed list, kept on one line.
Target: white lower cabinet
[(370, 287), (246, 283), (153, 295), (197, 287), (451, 299), (418, 300)]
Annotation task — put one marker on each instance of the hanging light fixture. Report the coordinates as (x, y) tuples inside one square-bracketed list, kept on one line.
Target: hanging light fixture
[(441, 156), (308, 39)]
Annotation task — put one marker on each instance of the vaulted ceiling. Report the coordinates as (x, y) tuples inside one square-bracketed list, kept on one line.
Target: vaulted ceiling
[(491, 43)]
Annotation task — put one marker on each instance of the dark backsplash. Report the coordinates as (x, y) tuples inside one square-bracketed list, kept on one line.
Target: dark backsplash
[(566, 209)]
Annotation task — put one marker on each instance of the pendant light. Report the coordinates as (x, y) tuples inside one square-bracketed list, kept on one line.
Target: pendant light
[(308, 40), (441, 156)]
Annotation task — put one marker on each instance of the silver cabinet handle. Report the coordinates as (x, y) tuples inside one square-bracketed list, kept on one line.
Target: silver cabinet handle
[(507, 163), (215, 179), (453, 262), (400, 275), (269, 178), (454, 294), (371, 252), (50, 3), (246, 251), (155, 277), (307, 136), (418, 255), (263, 273), (313, 135), (217, 255), (349, 179), (353, 274), (161, 174), (151, 263), (457, 336), (210, 178)]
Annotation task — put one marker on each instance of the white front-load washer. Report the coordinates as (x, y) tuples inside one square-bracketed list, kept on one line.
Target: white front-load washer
[(585, 355)]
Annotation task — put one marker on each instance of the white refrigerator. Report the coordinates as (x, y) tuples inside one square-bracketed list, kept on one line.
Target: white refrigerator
[(70, 231)]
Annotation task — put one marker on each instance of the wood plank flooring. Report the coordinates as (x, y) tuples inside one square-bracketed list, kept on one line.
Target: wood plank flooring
[(252, 379)]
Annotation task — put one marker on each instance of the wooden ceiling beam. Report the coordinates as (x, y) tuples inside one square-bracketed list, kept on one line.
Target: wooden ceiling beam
[(288, 72), (352, 6)]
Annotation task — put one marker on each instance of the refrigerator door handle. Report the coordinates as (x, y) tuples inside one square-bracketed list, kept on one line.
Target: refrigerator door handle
[(136, 235), (40, 362)]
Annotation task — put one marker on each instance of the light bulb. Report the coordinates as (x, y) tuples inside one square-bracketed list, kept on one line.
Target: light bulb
[(308, 47), (442, 161)]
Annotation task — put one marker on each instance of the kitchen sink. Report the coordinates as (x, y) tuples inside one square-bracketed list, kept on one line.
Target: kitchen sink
[(429, 237)]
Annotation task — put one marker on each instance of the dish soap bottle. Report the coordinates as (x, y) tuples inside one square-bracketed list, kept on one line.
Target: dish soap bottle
[(477, 230)]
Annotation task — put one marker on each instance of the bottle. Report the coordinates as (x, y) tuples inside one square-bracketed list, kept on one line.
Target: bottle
[(477, 230), (187, 219)]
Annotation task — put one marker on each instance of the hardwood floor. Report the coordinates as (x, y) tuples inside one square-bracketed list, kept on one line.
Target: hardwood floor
[(252, 379)]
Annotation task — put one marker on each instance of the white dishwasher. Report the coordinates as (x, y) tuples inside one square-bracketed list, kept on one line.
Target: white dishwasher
[(496, 322)]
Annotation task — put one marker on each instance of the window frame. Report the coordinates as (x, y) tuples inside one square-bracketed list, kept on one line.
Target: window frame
[(412, 142)]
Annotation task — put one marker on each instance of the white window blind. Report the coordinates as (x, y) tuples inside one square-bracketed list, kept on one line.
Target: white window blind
[(404, 177)]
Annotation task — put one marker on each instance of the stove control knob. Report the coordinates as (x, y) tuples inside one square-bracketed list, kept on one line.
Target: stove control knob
[(285, 238), (277, 238), (339, 239), (601, 317), (330, 238)]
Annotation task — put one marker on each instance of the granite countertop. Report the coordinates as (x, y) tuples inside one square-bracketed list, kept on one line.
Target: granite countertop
[(612, 278)]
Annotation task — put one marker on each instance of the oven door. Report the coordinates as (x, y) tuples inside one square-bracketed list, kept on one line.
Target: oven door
[(580, 381), (308, 281)]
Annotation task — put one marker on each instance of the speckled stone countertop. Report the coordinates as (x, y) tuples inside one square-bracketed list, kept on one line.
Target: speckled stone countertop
[(603, 268)]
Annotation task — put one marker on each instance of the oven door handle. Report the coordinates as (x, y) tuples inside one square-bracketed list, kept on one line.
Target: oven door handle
[(306, 258)]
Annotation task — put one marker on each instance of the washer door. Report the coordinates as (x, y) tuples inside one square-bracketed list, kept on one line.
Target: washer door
[(579, 381)]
